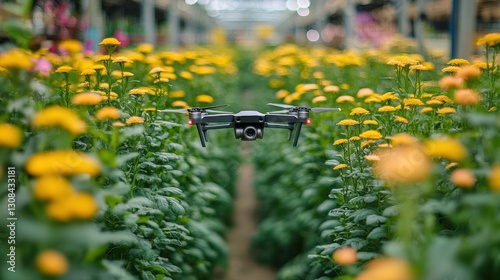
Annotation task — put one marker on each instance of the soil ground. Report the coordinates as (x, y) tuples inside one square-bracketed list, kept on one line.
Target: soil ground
[(241, 264)]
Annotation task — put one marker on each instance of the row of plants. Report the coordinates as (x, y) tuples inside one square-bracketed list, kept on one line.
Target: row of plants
[(401, 184), (99, 182)]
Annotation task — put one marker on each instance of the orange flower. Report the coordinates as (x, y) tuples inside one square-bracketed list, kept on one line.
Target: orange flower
[(51, 263), (494, 177), (463, 178), (466, 97), (468, 71), (135, 120), (345, 256), (386, 269), (402, 165), (448, 82)]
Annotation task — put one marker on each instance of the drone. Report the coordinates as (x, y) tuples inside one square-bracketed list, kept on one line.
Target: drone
[(249, 125)]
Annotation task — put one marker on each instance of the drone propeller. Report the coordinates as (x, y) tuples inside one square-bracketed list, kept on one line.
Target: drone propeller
[(315, 109), (180, 111), (202, 109)]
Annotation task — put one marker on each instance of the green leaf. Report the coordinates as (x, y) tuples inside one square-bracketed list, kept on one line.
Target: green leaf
[(122, 159), (375, 220), (378, 233), (18, 31)]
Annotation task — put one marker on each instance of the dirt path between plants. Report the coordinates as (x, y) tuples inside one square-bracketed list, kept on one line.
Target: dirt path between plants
[(241, 264)]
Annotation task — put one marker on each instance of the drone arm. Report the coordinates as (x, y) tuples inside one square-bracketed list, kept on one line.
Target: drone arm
[(281, 118), (224, 118), (218, 126)]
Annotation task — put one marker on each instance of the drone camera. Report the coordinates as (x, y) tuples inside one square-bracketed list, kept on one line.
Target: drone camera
[(248, 133)]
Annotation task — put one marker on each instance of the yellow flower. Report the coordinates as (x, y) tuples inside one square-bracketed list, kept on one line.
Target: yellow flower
[(348, 122), (340, 166), (402, 139), (359, 111), (318, 99), (76, 206), (16, 59), (127, 74), (489, 40), (331, 88), (466, 97), (463, 178), (145, 48), (494, 177), (371, 134), (412, 102), (367, 143), (387, 108), (446, 110), (110, 42), (87, 72), (401, 119), (306, 87), (447, 148), (282, 93), (71, 46), (62, 162), (10, 136), (52, 187), (402, 61), (56, 116), (51, 263), (186, 75), (443, 98), (340, 141), (204, 98), (458, 62), (345, 256), (103, 58), (135, 120), (402, 165), (180, 103), (372, 122), (177, 94), (86, 98), (121, 59), (434, 102), (118, 124), (156, 70), (108, 113), (345, 98), (492, 109), (354, 138), (150, 109), (64, 69), (451, 165), (373, 99), (418, 67), (137, 91), (450, 69)]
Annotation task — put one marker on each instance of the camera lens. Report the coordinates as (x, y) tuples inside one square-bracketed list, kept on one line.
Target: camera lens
[(250, 132)]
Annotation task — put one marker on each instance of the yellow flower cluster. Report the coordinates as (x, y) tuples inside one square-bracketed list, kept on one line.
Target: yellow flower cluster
[(56, 116)]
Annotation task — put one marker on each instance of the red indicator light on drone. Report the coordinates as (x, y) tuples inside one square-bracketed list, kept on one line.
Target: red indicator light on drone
[(190, 122), (308, 121)]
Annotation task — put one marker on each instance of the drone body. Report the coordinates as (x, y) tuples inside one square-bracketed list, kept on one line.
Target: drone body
[(249, 125)]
